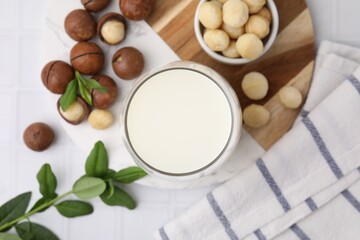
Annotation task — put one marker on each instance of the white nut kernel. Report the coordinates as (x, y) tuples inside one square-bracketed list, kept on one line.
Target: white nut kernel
[(265, 12), (231, 51), (255, 5), (75, 112), (210, 15), (255, 85), (235, 13), (233, 33), (249, 46), (256, 116), (216, 40), (258, 25), (113, 32), (222, 1), (290, 97), (100, 119)]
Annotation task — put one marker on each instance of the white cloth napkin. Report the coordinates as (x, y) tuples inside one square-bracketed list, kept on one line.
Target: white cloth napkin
[(307, 185)]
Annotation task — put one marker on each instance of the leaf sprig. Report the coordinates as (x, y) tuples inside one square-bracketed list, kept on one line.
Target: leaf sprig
[(82, 86), (99, 180)]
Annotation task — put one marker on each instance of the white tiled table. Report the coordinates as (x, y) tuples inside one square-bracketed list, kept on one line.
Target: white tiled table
[(23, 101)]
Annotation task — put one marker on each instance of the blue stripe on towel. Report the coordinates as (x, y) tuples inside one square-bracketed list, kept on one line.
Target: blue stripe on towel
[(221, 216), (351, 199), (299, 232), (355, 82), (304, 113), (259, 235), (274, 187), (311, 204), (322, 147), (163, 234)]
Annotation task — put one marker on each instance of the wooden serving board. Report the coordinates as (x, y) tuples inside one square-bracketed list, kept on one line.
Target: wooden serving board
[(290, 61)]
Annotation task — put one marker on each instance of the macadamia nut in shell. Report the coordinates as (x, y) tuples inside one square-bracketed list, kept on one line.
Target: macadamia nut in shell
[(256, 116), (80, 25), (112, 28), (258, 25), (76, 112), (249, 46), (210, 15), (95, 5), (255, 85), (128, 63), (56, 75), (290, 97), (255, 5), (136, 9), (216, 40), (235, 13), (38, 136), (87, 58), (100, 119)]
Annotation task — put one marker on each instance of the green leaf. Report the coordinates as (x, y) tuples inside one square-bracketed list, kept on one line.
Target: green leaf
[(129, 175), (119, 198), (85, 93), (34, 231), (74, 208), (97, 163), (70, 95), (47, 182), (111, 187), (89, 187), (7, 236), (14, 209), (109, 174), (41, 202)]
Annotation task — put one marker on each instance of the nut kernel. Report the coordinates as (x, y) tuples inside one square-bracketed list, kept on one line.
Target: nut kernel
[(249, 46), (233, 33), (255, 5), (210, 15), (258, 25), (231, 51), (216, 40), (255, 85), (100, 119), (265, 12), (235, 13), (290, 97), (256, 116)]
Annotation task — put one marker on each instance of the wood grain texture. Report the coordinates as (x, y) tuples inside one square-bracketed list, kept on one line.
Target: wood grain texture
[(290, 60)]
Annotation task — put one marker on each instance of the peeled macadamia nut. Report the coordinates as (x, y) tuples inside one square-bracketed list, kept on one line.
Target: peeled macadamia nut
[(231, 51), (258, 25), (103, 100), (290, 97), (235, 13), (56, 75), (136, 9), (255, 5), (265, 12), (233, 33), (210, 15), (128, 63), (112, 28), (95, 5), (87, 58), (216, 40), (100, 119), (255, 85), (76, 112), (222, 1), (80, 25), (38, 136), (249, 46), (256, 116)]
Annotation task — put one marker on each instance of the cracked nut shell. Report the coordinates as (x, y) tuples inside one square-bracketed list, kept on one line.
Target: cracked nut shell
[(112, 28), (136, 9), (56, 75), (76, 113), (103, 100), (128, 63), (95, 5), (38, 136), (87, 58), (80, 25)]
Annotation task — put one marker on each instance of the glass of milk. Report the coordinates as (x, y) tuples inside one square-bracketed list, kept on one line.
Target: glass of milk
[(181, 121)]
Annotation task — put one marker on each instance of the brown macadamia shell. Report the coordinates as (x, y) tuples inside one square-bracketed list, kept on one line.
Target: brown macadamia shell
[(80, 25), (103, 100), (87, 58), (56, 75), (76, 113), (136, 9), (95, 5), (128, 63), (38, 136), (111, 28)]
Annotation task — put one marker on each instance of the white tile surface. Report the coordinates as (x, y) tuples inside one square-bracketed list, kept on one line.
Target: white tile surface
[(25, 101)]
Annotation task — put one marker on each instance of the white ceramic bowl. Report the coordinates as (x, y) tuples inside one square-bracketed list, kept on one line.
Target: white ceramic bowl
[(237, 61)]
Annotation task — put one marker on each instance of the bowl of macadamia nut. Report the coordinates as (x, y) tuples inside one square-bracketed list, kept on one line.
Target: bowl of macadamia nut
[(236, 31)]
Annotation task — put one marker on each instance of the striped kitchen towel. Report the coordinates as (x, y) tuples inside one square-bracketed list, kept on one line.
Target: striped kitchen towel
[(307, 186)]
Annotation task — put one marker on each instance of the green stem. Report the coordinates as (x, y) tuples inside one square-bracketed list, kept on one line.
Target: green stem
[(27, 215)]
